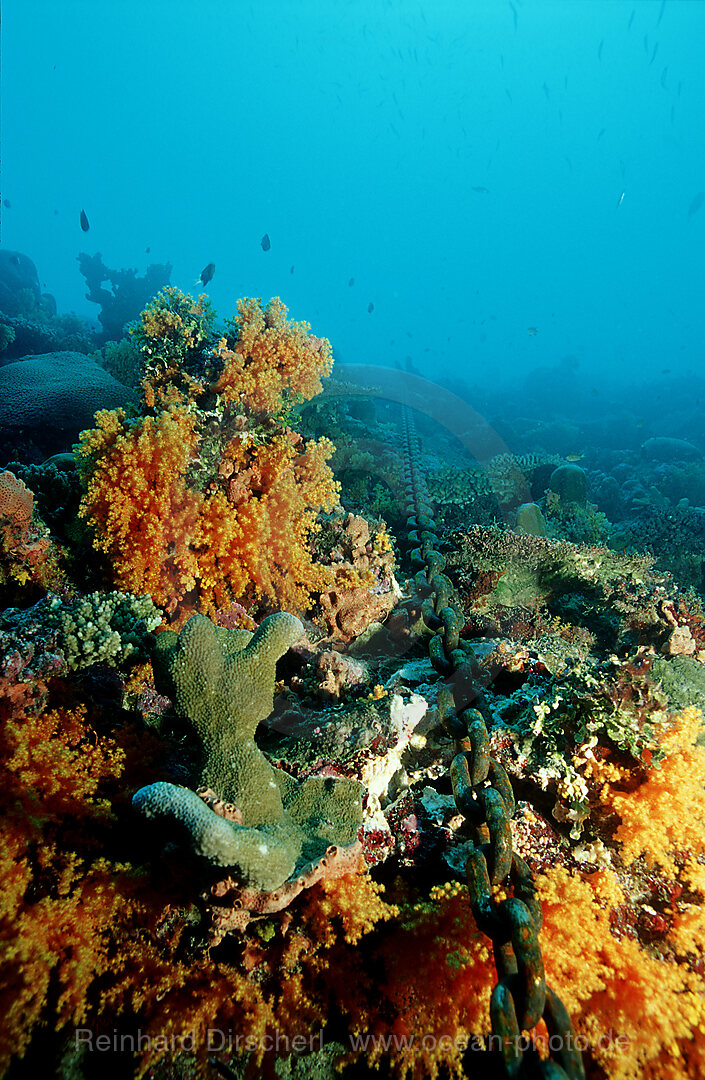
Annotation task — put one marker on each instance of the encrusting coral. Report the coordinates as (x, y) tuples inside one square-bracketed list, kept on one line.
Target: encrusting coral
[(271, 828)]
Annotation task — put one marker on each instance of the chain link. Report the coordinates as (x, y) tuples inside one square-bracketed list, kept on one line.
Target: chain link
[(483, 795)]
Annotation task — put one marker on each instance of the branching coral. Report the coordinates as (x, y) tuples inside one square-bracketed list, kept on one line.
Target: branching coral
[(173, 336)]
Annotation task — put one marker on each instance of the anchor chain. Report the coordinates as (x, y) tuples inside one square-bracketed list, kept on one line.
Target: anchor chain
[(483, 795)]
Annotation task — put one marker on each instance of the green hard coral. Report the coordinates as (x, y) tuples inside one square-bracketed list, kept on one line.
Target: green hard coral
[(222, 681)]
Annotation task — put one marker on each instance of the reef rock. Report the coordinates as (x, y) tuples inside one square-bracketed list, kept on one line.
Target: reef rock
[(18, 278)]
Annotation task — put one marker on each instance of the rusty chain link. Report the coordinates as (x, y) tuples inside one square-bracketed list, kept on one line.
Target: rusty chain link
[(483, 795)]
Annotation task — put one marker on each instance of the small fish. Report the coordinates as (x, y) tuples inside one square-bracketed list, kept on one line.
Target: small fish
[(370, 308), (206, 274), (532, 331), (664, 73), (265, 242), (661, 9), (84, 221), (7, 204), (481, 190), (352, 281), (631, 20), (599, 49), (653, 55), (600, 134), (696, 203), (620, 200), (292, 270), (666, 371), (574, 457), (147, 251)]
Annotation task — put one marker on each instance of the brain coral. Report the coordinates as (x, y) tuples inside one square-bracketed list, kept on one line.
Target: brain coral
[(58, 390)]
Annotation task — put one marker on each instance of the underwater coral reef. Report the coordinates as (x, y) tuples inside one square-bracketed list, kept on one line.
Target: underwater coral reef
[(327, 748)]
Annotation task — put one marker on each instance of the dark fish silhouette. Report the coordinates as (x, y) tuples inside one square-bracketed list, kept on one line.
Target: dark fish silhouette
[(265, 242), (370, 308), (7, 204), (696, 203), (206, 274), (147, 251), (352, 281), (292, 270), (482, 190), (84, 221)]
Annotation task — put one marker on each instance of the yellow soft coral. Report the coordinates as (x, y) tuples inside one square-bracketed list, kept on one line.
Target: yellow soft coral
[(641, 1017), (667, 811), (270, 356)]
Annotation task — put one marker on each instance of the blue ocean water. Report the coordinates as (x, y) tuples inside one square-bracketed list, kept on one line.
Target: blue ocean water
[(477, 168), (494, 211)]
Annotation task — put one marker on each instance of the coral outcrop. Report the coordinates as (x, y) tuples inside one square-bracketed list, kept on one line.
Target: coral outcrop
[(200, 501), (127, 295)]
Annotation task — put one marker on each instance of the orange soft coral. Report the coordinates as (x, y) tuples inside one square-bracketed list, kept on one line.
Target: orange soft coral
[(270, 356), (142, 514), (248, 536), (27, 554)]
